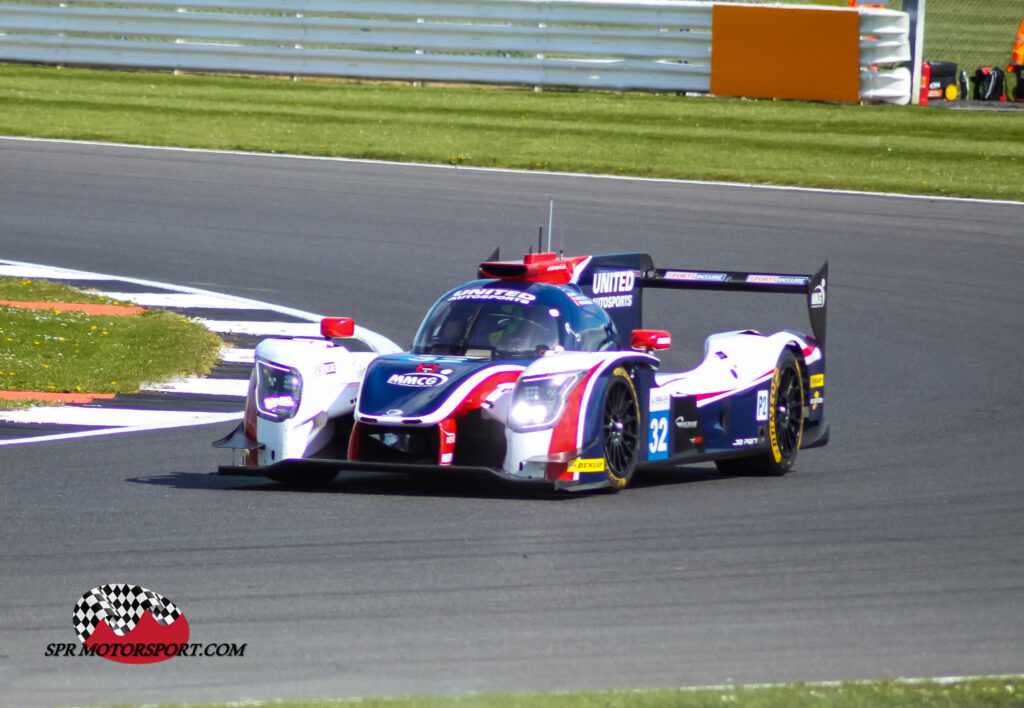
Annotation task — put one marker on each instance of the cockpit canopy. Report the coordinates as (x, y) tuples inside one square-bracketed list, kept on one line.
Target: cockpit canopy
[(510, 320)]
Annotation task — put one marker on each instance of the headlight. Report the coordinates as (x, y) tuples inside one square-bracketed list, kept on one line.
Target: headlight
[(278, 390), (538, 401)]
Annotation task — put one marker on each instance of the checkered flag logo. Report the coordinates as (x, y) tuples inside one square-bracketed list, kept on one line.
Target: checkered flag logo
[(122, 606)]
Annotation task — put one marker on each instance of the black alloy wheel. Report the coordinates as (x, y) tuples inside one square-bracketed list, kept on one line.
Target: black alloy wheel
[(620, 426), (786, 400), (788, 410)]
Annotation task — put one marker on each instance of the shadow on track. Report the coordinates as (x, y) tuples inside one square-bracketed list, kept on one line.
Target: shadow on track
[(377, 484), (441, 485), (678, 475)]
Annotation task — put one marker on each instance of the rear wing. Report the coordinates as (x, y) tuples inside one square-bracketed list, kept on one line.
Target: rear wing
[(814, 287), (616, 282)]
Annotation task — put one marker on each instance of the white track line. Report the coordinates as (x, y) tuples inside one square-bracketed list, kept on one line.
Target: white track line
[(108, 417), (121, 420), (237, 355), (268, 329), (206, 387), (377, 342), (14, 269), (211, 418), (501, 170), (179, 300), (941, 680)]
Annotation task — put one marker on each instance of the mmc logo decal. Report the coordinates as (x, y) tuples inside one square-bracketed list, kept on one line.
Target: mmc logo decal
[(425, 376)]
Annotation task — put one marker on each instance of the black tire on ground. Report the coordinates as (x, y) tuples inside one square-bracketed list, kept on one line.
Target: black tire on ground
[(786, 398), (620, 428)]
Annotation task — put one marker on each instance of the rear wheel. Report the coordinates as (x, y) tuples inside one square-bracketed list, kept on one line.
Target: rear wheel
[(785, 423), (620, 427)]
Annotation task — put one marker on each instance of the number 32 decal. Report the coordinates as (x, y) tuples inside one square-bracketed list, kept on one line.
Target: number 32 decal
[(657, 443)]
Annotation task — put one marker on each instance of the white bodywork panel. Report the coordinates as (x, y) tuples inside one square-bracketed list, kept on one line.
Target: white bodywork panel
[(733, 361), (330, 383)]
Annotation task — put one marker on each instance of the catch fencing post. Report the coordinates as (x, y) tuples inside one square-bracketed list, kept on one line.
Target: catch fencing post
[(916, 10)]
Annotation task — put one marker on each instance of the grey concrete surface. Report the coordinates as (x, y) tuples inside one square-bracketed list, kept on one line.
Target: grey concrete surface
[(898, 550)]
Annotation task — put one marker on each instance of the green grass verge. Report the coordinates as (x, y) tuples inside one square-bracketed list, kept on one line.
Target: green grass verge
[(30, 290), (988, 692), (53, 351), (877, 148)]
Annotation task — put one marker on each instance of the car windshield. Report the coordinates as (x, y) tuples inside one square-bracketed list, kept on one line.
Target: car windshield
[(464, 327)]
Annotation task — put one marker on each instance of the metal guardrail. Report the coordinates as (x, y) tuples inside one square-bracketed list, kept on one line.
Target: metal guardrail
[(654, 45)]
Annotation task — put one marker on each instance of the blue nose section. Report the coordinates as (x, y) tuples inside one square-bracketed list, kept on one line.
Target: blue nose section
[(413, 386)]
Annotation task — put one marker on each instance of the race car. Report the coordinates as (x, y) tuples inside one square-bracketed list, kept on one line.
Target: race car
[(541, 371)]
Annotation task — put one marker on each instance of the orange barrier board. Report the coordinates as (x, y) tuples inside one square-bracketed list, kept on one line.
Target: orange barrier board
[(806, 54), (88, 308)]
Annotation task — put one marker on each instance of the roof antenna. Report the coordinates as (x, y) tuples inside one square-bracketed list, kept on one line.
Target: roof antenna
[(540, 239), (551, 216)]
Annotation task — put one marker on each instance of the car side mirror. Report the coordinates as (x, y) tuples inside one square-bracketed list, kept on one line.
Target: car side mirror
[(648, 339), (335, 327)]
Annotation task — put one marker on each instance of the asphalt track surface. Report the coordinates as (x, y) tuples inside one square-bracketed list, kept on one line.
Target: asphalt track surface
[(896, 551)]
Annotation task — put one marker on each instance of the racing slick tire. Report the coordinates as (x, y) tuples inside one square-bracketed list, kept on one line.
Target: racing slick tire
[(786, 399), (620, 429)]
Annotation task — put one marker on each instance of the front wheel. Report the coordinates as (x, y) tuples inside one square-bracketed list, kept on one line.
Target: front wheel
[(785, 423), (620, 427)]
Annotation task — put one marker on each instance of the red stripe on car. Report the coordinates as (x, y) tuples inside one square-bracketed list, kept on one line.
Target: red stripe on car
[(355, 442), (446, 435), (485, 388), (252, 457), (564, 434)]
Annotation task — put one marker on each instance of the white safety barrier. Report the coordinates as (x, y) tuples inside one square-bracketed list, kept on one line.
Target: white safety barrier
[(885, 39), (651, 45)]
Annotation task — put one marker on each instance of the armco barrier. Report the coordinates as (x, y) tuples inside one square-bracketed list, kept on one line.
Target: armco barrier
[(653, 45)]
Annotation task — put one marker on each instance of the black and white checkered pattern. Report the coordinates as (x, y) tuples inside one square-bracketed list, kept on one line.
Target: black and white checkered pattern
[(122, 606)]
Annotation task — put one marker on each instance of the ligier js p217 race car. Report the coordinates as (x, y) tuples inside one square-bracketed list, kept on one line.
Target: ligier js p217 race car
[(541, 371)]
